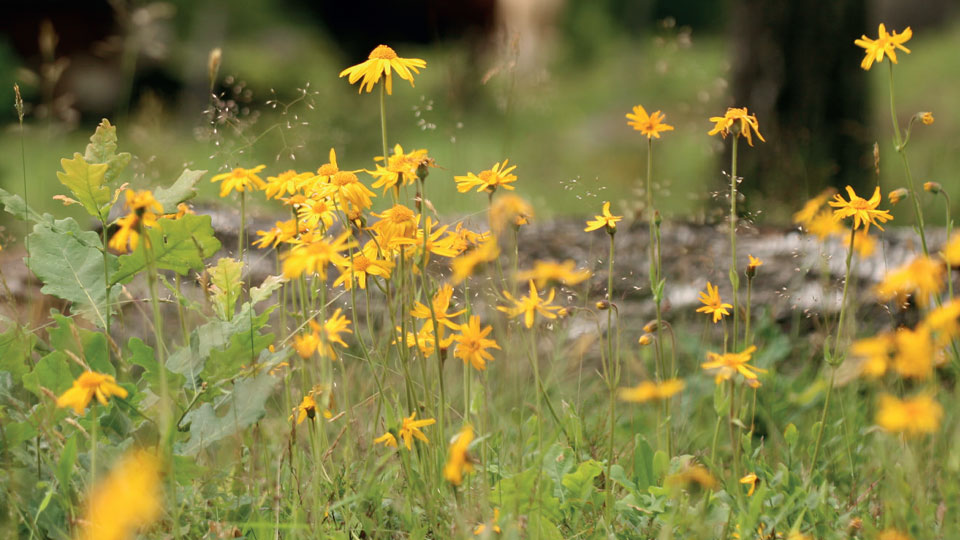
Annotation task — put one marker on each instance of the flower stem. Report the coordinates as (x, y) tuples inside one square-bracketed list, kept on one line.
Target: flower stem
[(612, 377), (383, 128), (901, 149), (734, 277)]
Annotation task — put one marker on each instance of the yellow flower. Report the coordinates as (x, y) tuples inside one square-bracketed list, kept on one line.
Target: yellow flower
[(606, 219), (863, 211), (387, 439), (651, 391), (425, 340), (885, 44), (509, 209), (329, 332), (401, 168), (914, 356), (480, 529), (458, 460), (645, 339), (649, 125), (282, 231), (752, 480), (692, 474), (306, 409), (313, 257), (397, 220), (347, 190), (754, 262), (530, 305), (128, 499), (381, 61), (748, 124), (327, 170), (917, 415), (464, 265), (893, 534), (472, 344), (812, 207), (544, 272), (287, 182), (88, 385), (823, 225), (240, 180), (441, 303), (926, 118), (864, 243), (489, 180), (143, 209), (432, 243), (362, 264), (922, 277), (461, 238), (943, 321), (410, 429), (874, 354), (712, 304), (142, 202), (306, 344), (951, 251), (729, 364)]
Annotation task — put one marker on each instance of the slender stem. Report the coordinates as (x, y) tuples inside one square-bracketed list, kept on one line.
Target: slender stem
[(535, 362), (901, 149), (383, 130), (655, 271), (243, 225), (746, 322), (734, 439), (734, 278), (611, 381)]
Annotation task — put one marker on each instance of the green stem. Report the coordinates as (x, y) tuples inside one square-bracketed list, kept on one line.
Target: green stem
[(611, 382), (243, 225), (901, 149), (734, 278)]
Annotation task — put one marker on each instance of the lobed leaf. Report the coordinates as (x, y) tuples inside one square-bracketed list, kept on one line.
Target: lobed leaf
[(181, 190), (226, 278), (180, 245), (103, 150), (87, 182)]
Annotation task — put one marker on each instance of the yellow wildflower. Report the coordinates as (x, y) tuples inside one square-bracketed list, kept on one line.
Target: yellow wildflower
[(88, 385), (874, 354), (425, 340), (472, 344), (712, 304), (401, 168), (329, 332), (347, 190), (458, 460), (729, 364), (316, 212), (692, 474), (441, 303), (748, 124), (864, 243), (544, 272), (509, 209), (306, 409), (926, 118), (823, 225), (914, 356), (327, 170), (387, 439), (917, 415), (863, 211), (362, 264), (464, 265), (751, 479), (885, 44), (410, 429), (397, 220), (489, 180), (281, 232), (240, 180), (285, 183), (651, 391), (494, 525), (951, 251), (530, 305), (896, 195), (128, 499), (313, 257), (380, 62), (922, 278), (143, 209), (606, 219), (650, 125), (812, 207), (893, 534)]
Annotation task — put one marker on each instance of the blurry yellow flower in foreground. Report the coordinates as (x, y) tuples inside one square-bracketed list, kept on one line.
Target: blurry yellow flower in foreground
[(712, 304), (480, 529), (239, 180), (544, 272), (472, 344), (650, 125), (315, 256), (863, 211), (410, 429), (824, 226), (650, 391), (530, 305), (606, 219), (143, 209), (951, 251), (748, 124), (88, 385), (896, 195), (380, 62), (752, 480), (893, 534), (885, 44), (917, 415), (692, 474), (726, 365), (874, 354), (864, 244), (128, 499), (914, 356), (812, 207), (488, 180), (509, 209), (458, 460), (464, 265), (922, 278)]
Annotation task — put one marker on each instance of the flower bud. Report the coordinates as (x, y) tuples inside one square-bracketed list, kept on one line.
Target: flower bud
[(650, 327), (896, 195), (213, 65), (602, 305), (926, 117), (645, 340), (932, 187), (657, 218)]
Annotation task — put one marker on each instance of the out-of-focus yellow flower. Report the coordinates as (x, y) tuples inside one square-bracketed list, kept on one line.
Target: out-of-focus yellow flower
[(651, 391), (932, 187), (544, 272), (441, 303), (650, 125), (750, 479), (88, 385), (604, 220), (494, 525), (712, 304), (381, 61), (509, 209), (329, 333), (530, 305), (128, 499), (914, 356), (922, 278), (282, 231), (926, 117), (885, 44), (498, 176), (306, 344), (645, 339), (692, 474), (748, 124), (864, 244), (410, 429), (459, 462), (240, 180), (812, 207), (944, 321), (726, 365), (917, 415), (897, 195), (315, 256), (464, 265), (893, 534), (401, 168), (363, 263), (863, 211), (143, 209), (874, 354), (823, 226), (472, 344), (951, 251)]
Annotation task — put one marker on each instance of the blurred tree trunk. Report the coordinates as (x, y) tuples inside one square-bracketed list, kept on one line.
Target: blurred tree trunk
[(795, 66)]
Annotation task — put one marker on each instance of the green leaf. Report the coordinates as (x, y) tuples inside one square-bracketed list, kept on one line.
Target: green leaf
[(213, 336), (85, 344), (71, 267), (518, 492), (226, 278), (17, 433), (791, 435), (68, 458), (15, 349), (266, 289), (55, 372), (88, 183), (661, 463), (142, 355), (181, 190), (579, 484), (236, 411), (643, 464), (178, 244), (243, 350), (17, 207), (103, 150)]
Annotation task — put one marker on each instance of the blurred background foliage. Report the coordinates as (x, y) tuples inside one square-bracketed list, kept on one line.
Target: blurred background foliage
[(545, 83)]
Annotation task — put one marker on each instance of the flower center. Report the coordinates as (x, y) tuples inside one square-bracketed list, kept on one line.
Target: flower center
[(327, 169), (343, 178), (360, 263), (401, 214), (487, 176), (382, 52), (859, 204)]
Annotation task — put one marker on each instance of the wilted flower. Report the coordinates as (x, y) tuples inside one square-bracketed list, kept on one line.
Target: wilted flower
[(750, 479)]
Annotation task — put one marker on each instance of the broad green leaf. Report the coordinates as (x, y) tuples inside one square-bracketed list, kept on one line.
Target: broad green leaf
[(243, 350), (68, 458), (17, 433), (55, 372), (518, 492), (266, 289), (661, 464), (558, 461), (17, 207), (236, 411), (226, 278), (15, 348), (181, 190), (103, 150), (142, 355), (579, 484), (643, 463), (215, 335), (87, 345), (71, 268), (180, 245), (88, 183)]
